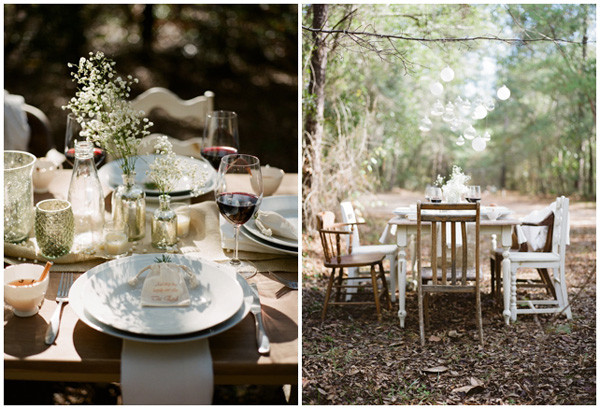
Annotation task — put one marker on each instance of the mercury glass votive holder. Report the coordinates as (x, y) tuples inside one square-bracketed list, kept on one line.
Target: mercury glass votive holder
[(54, 227)]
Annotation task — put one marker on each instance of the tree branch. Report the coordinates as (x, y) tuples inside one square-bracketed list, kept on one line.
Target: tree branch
[(441, 39)]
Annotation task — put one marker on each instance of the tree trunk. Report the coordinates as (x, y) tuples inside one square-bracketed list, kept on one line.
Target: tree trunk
[(314, 118)]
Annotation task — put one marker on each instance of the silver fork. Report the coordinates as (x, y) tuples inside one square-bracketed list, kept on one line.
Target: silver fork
[(62, 296), (292, 285)]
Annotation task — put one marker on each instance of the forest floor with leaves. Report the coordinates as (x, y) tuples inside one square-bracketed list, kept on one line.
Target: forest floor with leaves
[(351, 358)]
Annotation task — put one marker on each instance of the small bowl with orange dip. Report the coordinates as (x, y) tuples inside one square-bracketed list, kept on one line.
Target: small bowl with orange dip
[(22, 291)]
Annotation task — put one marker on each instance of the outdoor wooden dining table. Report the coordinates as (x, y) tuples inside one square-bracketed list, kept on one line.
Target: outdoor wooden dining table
[(502, 228), (82, 354)]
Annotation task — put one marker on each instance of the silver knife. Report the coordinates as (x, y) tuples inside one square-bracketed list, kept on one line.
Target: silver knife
[(264, 346)]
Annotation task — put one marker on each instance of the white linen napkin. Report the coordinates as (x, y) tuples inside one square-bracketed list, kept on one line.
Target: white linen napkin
[(178, 374), (16, 127), (273, 224), (244, 243)]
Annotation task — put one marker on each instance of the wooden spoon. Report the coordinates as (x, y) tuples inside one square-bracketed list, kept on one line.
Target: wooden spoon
[(30, 281)]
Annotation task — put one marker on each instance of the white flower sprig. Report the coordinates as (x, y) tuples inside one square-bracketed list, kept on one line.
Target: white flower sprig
[(101, 107), (168, 168), (456, 186)]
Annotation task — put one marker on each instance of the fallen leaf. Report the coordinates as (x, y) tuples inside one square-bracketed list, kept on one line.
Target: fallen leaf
[(453, 334), (435, 369), (469, 389), (434, 338), (322, 391)]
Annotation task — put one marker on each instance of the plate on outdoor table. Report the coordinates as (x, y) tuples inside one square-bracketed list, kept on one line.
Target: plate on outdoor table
[(286, 206), (111, 175), (76, 302), (494, 212), (270, 245), (111, 300), (405, 210)]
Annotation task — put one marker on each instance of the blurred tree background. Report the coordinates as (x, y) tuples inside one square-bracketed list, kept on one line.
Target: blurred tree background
[(366, 134), (246, 54)]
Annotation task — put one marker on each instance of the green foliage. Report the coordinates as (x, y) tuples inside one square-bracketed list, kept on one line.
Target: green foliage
[(543, 137)]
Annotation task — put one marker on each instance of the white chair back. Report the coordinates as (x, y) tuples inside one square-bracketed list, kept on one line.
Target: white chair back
[(157, 97), (560, 230), (349, 216)]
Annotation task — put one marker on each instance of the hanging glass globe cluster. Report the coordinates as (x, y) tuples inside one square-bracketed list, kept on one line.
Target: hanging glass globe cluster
[(461, 113)]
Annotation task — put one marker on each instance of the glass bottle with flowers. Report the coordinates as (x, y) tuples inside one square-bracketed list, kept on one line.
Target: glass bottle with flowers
[(456, 187), (166, 172), (107, 118)]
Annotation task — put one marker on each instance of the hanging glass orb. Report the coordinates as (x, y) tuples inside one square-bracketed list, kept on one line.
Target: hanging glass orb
[(470, 132), (449, 115), (480, 112), (486, 136), (465, 107), (489, 104), (503, 93), (425, 124), (455, 124), (478, 144), (447, 74), (460, 141), (436, 89), (438, 108)]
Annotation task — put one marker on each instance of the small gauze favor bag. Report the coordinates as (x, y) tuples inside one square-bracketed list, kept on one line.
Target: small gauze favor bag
[(165, 285)]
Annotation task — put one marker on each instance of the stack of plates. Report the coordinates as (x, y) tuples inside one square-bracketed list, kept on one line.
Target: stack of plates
[(111, 175), (286, 206), (103, 299)]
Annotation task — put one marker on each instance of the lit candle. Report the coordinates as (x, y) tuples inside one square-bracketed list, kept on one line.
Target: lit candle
[(115, 243), (183, 225)]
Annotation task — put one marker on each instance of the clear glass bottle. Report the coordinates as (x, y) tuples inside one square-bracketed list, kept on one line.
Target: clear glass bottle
[(164, 224), (87, 200), (129, 207)]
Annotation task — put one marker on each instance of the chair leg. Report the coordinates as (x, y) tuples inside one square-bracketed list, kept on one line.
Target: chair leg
[(493, 274), (328, 294), (421, 321), (340, 280), (375, 292), (393, 275), (352, 272), (498, 268), (545, 276), (386, 293), (478, 309), (426, 304)]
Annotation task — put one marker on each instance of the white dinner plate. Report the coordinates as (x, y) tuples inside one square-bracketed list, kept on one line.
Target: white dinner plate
[(286, 206), (405, 210), (111, 175), (76, 302), (112, 301), (272, 246)]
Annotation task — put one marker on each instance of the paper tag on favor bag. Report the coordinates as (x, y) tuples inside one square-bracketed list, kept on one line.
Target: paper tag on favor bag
[(165, 287)]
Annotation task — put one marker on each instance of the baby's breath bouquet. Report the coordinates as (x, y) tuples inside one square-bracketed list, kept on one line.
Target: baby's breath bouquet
[(165, 172), (102, 108), (456, 187)]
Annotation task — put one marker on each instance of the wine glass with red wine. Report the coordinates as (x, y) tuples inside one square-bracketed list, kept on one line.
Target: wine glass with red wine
[(72, 135), (238, 195), (474, 194), (220, 136)]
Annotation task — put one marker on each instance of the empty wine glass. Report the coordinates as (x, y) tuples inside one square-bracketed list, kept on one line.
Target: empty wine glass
[(238, 195), (220, 136), (474, 194), (72, 135)]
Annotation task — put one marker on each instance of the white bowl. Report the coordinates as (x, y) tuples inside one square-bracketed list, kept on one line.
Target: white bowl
[(44, 171), (25, 300), (271, 179)]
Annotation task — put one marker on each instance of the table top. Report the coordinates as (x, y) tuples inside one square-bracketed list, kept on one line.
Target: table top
[(403, 221), (83, 354)]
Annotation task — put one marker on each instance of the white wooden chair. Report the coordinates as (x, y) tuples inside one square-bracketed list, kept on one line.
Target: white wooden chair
[(554, 259), (196, 109), (390, 251)]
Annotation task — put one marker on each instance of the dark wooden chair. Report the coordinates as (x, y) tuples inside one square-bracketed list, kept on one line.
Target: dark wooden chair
[(545, 280), (40, 141), (447, 276), (338, 259)]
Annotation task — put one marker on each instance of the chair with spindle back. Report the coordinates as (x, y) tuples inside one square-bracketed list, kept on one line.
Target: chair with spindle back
[(338, 259), (447, 276)]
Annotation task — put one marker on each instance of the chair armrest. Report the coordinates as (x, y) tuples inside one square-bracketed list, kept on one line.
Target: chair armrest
[(347, 224), (335, 231)]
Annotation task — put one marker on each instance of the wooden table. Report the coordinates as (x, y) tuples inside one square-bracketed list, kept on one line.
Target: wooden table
[(406, 228), (82, 354)]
